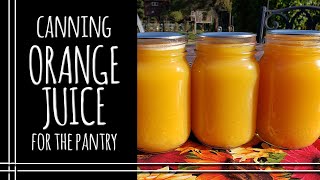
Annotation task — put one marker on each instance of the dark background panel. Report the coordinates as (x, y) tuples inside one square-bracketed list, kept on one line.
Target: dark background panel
[(3, 176), (68, 175), (4, 84), (119, 111)]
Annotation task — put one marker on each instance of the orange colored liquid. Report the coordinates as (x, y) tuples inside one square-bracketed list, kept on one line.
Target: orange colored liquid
[(289, 96), (224, 94), (163, 99)]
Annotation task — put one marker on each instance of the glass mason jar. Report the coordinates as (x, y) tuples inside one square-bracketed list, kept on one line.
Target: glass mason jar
[(289, 93), (163, 92), (224, 89)]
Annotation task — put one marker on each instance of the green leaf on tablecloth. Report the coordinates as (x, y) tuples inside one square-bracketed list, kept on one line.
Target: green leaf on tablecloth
[(190, 155), (216, 151), (187, 167), (275, 157), (287, 175), (138, 170)]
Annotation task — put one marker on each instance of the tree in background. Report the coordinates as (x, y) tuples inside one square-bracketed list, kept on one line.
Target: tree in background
[(187, 26), (214, 7), (218, 6), (140, 8), (228, 6), (176, 16), (176, 27), (301, 21), (247, 13), (156, 26), (148, 27)]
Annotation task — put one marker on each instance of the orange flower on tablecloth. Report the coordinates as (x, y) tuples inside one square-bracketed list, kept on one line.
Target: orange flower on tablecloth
[(169, 157), (278, 176), (233, 176), (190, 145), (212, 176), (202, 154), (310, 154), (166, 176), (243, 154), (208, 156)]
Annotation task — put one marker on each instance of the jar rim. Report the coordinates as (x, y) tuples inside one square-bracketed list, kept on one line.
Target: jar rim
[(160, 35), (226, 35), (161, 40), (293, 32), (227, 38)]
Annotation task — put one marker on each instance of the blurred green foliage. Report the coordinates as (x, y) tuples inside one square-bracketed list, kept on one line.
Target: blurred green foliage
[(246, 13), (140, 8), (301, 21), (176, 16)]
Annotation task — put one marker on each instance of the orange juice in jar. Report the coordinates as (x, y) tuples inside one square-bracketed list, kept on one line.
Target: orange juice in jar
[(224, 89), (163, 92), (289, 93)]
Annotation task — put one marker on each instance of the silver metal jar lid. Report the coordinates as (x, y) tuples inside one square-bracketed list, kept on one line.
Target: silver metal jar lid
[(161, 40), (227, 35), (160, 35), (294, 32)]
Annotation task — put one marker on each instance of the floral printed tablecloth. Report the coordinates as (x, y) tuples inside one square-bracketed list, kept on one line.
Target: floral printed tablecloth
[(254, 152)]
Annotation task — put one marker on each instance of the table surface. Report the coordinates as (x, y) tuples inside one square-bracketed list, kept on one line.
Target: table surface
[(255, 152)]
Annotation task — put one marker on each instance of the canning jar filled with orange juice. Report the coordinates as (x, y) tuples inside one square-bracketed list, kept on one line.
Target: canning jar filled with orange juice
[(224, 89), (163, 92), (289, 93)]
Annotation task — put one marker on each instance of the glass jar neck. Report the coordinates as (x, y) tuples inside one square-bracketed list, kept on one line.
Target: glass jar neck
[(226, 48), (292, 45), (161, 49), (162, 53), (226, 51)]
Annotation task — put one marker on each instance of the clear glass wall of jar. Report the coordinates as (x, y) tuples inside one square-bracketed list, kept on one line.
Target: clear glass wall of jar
[(163, 92), (289, 93), (224, 89)]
